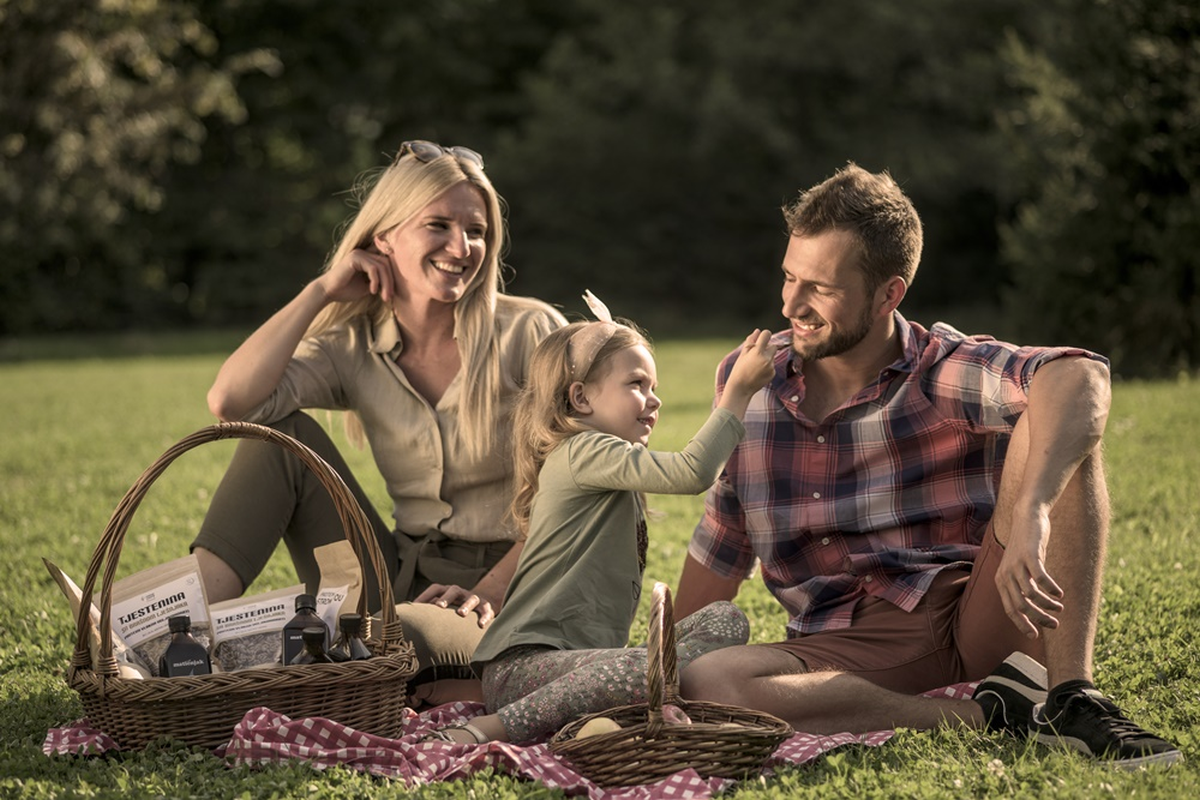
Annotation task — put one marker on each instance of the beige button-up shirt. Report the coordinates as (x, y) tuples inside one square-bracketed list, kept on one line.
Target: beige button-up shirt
[(434, 483)]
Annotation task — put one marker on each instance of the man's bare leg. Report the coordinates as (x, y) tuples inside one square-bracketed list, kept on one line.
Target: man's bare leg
[(1074, 555), (771, 680)]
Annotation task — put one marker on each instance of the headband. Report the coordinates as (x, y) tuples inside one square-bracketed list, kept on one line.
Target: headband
[(586, 342)]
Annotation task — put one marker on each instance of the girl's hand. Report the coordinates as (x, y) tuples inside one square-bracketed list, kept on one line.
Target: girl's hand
[(754, 368), (361, 272), (755, 365)]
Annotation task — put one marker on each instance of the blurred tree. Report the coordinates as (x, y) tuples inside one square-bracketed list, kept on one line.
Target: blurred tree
[(1105, 251), (97, 100), (255, 219), (662, 140)]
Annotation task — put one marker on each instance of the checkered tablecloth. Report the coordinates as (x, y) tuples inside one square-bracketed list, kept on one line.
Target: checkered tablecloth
[(265, 737)]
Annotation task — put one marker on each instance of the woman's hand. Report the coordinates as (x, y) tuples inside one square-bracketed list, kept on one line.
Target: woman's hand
[(360, 273), (467, 601)]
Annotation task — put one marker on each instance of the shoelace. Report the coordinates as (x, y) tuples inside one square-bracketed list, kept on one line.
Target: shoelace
[(1107, 714)]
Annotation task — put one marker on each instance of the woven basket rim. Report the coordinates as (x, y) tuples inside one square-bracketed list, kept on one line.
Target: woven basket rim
[(387, 637)]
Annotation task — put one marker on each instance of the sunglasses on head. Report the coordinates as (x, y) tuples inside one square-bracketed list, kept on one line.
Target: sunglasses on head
[(425, 152)]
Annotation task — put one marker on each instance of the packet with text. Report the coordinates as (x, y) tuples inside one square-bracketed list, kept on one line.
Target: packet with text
[(245, 630), (143, 603)]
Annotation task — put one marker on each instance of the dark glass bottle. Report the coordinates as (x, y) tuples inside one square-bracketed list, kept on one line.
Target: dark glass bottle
[(314, 647), (306, 617), (184, 655), (349, 645)]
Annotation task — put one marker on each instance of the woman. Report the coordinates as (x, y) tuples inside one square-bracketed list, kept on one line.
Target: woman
[(408, 330)]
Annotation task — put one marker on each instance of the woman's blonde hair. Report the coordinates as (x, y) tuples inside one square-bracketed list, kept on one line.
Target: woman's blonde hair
[(390, 197), (543, 417)]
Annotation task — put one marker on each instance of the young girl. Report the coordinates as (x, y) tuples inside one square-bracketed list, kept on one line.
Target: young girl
[(557, 650)]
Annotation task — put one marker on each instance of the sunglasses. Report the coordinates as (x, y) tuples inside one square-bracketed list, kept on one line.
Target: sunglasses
[(425, 152)]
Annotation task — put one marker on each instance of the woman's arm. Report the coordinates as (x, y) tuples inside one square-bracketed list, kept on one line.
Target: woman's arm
[(485, 598), (252, 372)]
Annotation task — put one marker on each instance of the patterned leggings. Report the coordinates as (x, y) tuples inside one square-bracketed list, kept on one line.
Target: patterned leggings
[(537, 690)]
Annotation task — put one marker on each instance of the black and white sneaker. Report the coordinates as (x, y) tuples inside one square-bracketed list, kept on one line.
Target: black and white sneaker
[(1090, 723), (1009, 694)]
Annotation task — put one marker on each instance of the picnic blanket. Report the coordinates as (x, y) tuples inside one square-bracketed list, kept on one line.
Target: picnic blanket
[(266, 737)]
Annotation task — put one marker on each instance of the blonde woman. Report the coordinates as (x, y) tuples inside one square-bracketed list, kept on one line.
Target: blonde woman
[(407, 329)]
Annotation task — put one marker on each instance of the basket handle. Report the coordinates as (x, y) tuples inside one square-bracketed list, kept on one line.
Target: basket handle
[(108, 551), (662, 668)]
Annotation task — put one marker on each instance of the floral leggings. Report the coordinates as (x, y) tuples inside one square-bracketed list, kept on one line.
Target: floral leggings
[(537, 690)]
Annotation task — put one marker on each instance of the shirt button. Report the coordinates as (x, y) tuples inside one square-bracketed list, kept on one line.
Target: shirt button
[(825, 540), (820, 440), (795, 398), (816, 495), (867, 579)]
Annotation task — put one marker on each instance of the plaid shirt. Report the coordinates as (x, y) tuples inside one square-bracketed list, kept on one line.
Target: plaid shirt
[(896, 484)]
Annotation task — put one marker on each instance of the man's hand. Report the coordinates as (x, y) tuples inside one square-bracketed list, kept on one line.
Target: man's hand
[(467, 601), (1032, 599)]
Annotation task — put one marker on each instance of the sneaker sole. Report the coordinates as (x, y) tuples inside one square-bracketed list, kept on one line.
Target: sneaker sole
[(1165, 759)]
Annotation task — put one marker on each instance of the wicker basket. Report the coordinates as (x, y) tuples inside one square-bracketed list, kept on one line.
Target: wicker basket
[(723, 741), (203, 710)]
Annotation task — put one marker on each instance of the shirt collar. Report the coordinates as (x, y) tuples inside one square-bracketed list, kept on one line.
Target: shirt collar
[(385, 337), (910, 354)]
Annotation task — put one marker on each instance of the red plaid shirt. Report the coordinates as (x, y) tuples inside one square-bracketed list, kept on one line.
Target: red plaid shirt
[(895, 485)]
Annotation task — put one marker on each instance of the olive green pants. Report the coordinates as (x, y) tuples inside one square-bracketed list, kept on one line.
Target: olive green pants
[(267, 495)]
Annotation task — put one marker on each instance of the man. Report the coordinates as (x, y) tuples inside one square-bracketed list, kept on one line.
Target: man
[(923, 503)]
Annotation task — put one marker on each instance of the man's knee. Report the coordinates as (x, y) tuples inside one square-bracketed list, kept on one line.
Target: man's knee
[(729, 675)]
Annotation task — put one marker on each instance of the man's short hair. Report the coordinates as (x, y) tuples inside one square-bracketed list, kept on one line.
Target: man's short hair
[(871, 207)]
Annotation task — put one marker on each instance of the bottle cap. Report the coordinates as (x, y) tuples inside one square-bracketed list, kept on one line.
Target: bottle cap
[(313, 634), (306, 601), (350, 622), (179, 623)]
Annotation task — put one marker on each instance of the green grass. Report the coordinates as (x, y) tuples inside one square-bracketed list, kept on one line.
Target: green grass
[(78, 432)]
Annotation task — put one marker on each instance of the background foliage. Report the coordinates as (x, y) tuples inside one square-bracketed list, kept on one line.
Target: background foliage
[(185, 162)]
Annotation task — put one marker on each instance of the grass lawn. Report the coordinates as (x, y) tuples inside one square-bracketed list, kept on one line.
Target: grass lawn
[(78, 431)]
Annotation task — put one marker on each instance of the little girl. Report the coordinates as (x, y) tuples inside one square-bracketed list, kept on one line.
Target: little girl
[(557, 649)]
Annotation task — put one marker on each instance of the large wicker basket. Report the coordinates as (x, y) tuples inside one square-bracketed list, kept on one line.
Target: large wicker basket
[(722, 741), (203, 710)]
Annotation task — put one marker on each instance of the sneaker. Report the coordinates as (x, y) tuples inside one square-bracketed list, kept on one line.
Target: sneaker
[(1090, 722), (1009, 694)]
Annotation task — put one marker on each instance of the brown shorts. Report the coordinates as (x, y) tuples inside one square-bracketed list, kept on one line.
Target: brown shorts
[(958, 632)]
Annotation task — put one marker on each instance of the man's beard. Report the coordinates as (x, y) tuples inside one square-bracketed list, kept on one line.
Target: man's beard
[(839, 341)]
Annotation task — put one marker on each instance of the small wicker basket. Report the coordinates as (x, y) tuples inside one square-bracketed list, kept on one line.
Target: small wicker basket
[(203, 710), (722, 741)]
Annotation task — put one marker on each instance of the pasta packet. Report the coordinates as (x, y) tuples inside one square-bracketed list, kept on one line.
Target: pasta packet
[(341, 582), (129, 664), (245, 630), (143, 602)]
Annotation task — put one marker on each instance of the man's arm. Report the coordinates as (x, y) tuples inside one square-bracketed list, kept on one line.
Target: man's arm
[(699, 586), (1069, 400)]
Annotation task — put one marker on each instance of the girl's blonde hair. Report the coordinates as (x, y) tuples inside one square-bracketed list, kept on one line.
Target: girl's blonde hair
[(390, 197), (543, 417)]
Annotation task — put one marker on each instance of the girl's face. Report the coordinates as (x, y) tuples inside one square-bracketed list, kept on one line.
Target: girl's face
[(437, 252), (621, 402)]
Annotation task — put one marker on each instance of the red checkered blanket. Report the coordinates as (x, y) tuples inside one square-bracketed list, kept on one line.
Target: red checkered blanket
[(265, 737)]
